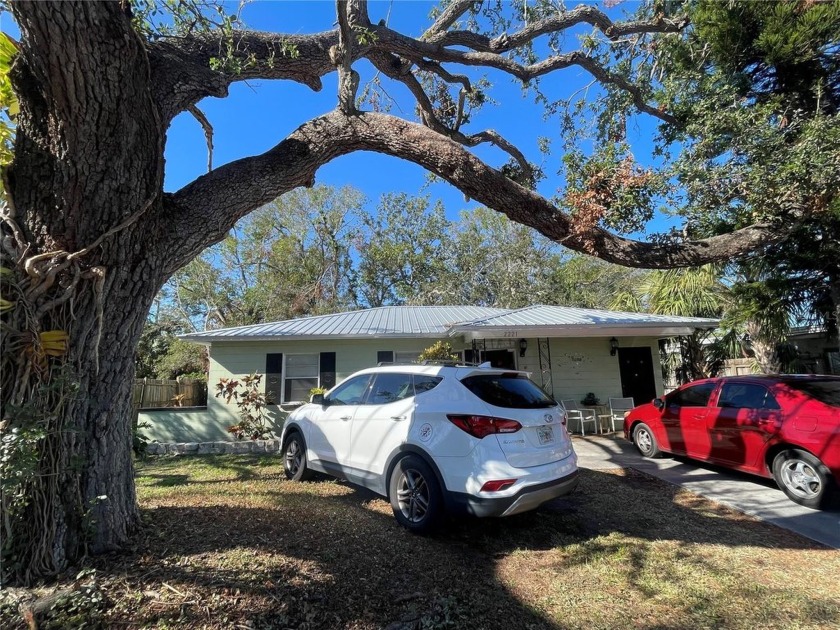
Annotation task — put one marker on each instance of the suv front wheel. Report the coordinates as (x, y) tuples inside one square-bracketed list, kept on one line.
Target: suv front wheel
[(415, 495), (294, 458)]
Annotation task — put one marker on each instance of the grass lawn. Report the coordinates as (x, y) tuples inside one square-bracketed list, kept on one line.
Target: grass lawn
[(229, 543)]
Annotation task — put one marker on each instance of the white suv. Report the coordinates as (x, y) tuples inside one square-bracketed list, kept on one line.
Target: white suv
[(436, 438)]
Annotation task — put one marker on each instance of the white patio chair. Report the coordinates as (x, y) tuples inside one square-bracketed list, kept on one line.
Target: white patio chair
[(573, 412), (618, 407)]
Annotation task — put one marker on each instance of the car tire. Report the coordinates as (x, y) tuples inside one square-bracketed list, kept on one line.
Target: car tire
[(415, 495), (294, 458), (803, 478), (645, 441)]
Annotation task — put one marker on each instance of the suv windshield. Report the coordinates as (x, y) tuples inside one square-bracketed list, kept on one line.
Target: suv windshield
[(515, 391), (825, 390)]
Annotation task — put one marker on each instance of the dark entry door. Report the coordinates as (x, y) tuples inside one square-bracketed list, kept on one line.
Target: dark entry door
[(500, 359), (636, 369)]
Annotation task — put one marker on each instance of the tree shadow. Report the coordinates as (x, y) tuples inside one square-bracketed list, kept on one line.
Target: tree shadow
[(323, 555)]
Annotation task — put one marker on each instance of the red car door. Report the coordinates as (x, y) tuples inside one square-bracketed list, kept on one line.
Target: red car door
[(746, 416), (684, 417)]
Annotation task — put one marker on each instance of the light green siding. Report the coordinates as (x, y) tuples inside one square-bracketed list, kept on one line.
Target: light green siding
[(578, 366), (582, 365), (181, 425)]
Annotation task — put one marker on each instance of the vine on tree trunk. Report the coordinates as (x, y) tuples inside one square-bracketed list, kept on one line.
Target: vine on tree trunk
[(39, 448)]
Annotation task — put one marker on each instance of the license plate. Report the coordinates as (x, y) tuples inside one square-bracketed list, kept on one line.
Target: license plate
[(545, 435)]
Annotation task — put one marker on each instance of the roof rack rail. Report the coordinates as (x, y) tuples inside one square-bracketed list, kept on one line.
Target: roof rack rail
[(445, 362), (397, 363)]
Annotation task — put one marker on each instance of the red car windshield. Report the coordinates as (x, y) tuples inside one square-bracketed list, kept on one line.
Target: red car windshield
[(827, 391)]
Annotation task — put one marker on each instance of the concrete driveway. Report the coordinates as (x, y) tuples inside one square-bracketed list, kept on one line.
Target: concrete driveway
[(752, 495)]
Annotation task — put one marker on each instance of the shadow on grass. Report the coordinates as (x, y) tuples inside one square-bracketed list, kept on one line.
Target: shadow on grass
[(326, 554)]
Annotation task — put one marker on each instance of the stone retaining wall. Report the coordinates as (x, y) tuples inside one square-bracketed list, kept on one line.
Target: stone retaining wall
[(214, 448)]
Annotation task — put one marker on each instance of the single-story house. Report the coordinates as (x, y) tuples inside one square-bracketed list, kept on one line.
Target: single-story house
[(569, 352)]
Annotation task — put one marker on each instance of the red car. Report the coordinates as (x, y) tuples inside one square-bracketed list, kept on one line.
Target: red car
[(783, 426)]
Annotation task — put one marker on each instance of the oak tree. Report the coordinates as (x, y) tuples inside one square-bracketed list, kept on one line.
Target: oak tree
[(89, 235)]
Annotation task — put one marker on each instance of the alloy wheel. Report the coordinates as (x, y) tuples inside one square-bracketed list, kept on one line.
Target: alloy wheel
[(413, 496), (801, 479), (294, 457)]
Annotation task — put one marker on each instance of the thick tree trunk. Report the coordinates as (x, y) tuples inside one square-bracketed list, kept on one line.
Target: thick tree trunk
[(88, 165)]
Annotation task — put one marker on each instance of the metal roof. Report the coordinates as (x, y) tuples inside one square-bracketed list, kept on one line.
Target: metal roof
[(384, 321), (540, 315), (566, 321), (473, 321)]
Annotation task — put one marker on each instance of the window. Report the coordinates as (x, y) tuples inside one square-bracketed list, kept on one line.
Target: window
[(832, 361), (406, 357), (694, 396), (388, 388), (423, 383), (746, 396), (514, 391), (351, 392), (301, 376)]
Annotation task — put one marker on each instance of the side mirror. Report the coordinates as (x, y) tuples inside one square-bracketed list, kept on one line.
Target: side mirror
[(318, 399), (659, 403)]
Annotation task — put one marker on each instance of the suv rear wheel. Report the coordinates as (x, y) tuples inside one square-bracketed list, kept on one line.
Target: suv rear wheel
[(415, 495)]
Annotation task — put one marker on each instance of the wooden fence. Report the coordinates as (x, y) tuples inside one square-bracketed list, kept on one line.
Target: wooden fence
[(154, 393), (738, 367)]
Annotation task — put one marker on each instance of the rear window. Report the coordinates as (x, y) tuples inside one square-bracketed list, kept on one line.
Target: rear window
[(515, 391), (826, 391)]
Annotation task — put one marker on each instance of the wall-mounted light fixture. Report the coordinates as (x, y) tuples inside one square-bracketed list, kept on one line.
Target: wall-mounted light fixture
[(613, 346), (523, 346)]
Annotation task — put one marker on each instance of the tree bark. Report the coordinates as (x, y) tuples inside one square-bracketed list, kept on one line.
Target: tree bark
[(88, 164)]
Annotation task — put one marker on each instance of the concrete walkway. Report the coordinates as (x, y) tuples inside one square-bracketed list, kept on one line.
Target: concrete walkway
[(752, 495)]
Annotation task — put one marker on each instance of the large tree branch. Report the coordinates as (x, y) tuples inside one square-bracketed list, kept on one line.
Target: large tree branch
[(182, 72), (582, 14), (202, 212), (419, 52), (447, 18)]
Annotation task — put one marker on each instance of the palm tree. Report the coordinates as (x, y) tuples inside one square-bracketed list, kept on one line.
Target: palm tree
[(689, 292)]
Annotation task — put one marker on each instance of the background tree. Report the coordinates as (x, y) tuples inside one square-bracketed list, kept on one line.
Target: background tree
[(401, 250), (690, 292), (289, 258), (89, 235)]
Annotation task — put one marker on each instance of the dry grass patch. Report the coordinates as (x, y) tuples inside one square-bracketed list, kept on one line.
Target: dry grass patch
[(228, 543)]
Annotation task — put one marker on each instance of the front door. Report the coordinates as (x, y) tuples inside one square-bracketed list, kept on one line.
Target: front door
[(499, 359), (635, 367)]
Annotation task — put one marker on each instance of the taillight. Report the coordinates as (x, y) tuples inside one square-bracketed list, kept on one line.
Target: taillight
[(497, 484), (482, 426)]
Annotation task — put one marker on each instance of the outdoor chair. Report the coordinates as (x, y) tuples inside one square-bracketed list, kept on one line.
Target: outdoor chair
[(618, 407), (573, 412)]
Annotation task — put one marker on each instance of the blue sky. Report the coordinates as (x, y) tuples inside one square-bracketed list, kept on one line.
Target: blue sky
[(259, 114)]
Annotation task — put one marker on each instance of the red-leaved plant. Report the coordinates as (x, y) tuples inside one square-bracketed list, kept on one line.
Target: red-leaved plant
[(247, 394)]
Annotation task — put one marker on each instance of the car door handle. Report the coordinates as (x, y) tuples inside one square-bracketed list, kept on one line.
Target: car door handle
[(397, 417), (346, 417)]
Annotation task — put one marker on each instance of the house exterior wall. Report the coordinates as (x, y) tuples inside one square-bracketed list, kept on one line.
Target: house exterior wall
[(582, 365), (578, 366)]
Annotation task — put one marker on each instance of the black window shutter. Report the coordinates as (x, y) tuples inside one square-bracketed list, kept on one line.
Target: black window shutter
[(273, 377), (327, 369), (385, 356)]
